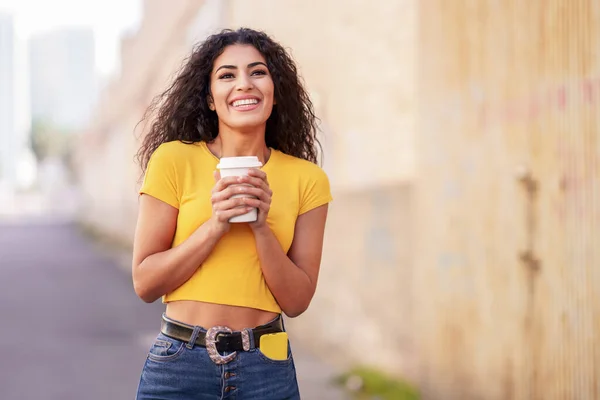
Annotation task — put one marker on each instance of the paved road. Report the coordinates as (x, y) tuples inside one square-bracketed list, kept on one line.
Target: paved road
[(71, 326)]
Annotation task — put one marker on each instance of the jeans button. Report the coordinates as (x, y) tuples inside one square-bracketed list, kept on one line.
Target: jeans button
[(229, 389)]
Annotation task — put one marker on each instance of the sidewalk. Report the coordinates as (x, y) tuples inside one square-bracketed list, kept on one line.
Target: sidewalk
[(314, 375)]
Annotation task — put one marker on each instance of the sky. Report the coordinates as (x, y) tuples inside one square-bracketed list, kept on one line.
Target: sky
[(108, 18)]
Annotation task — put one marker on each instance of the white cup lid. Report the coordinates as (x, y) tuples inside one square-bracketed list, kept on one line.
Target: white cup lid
[(239, 162)]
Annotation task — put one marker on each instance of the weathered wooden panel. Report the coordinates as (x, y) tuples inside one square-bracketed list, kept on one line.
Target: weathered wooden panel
[(508, 179)]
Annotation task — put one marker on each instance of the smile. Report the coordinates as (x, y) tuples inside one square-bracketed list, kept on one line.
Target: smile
[(245, 104)]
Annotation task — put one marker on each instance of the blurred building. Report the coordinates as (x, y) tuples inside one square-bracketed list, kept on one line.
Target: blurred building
[(462, 146), (8, 142), (63, 83)]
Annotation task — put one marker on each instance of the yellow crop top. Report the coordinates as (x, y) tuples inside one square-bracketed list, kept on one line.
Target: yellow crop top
[(181, 175)]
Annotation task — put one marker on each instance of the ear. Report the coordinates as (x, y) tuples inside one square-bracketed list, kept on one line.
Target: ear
[(211, 103)]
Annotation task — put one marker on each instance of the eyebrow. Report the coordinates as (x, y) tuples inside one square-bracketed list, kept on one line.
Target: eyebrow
[(254, 64)]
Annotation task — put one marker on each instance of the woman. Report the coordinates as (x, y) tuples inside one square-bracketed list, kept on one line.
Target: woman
[(226, 285)]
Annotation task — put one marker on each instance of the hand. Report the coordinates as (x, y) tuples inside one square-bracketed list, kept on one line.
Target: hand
[(223, 206), (262, 196)]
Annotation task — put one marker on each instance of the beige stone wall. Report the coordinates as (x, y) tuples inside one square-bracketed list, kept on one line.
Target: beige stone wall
[(363, 310), (357, 58)]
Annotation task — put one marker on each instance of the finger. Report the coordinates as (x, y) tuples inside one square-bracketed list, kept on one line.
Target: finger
[(219, 194), (229, 204), (223, 183), (234, 212), (235, 189), (256, 182), (257, 173), (217, 175), (254, 203), (254, 172), (249, 190), (264, 206)]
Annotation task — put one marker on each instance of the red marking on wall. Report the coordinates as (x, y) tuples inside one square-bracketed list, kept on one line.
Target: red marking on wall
[(588, 91), (576, 184), (531, 107), (534, 108), (562, 98)]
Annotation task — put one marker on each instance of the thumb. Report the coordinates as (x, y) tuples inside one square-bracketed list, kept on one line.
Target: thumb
[(217, 175)]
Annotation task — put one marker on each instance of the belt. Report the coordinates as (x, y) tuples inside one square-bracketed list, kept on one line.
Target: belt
[(223, 338)]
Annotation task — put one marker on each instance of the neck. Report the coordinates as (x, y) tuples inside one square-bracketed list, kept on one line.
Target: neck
[(231, 143)]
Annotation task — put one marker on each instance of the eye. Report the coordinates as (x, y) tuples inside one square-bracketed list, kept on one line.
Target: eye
[(226, 76), (259, 72)]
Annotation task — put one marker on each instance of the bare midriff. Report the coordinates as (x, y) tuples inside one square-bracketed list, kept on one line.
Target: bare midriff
[(207, 315)]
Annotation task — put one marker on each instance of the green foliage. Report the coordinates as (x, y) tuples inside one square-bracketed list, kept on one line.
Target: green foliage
[(48, 140), (369, 384)]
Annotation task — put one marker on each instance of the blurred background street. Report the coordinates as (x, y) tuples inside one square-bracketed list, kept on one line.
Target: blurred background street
[(63, 335), (461, 139), (73, 328)]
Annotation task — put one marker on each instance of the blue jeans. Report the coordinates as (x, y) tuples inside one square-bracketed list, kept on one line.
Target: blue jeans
[(176, 370)]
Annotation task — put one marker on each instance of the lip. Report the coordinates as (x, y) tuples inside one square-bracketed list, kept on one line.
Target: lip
[(245, 108)]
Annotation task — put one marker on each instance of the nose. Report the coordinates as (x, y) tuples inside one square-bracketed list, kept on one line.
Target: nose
[(244, 82)]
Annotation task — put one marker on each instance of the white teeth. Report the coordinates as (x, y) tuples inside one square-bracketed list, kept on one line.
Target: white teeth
[(244, 102)]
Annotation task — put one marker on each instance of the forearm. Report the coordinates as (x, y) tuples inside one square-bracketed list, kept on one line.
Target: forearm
[(290, 285), (161, 273)]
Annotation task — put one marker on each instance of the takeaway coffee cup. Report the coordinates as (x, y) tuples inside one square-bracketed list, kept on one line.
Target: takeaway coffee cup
[(239, 166)]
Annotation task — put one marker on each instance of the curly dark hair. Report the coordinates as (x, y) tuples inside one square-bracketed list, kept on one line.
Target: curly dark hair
[(181, 112)]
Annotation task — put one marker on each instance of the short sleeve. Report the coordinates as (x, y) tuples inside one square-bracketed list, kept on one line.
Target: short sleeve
[(316, 191), (160, 180)]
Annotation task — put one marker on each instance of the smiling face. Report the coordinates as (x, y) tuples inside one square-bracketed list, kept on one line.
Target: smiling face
[(241, 88)]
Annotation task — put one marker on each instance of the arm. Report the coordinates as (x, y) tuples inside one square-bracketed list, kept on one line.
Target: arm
[(292, 278), (156, 267)]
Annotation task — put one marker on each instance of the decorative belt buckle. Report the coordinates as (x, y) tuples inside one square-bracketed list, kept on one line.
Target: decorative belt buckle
[(246, 339), (211, 345)]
